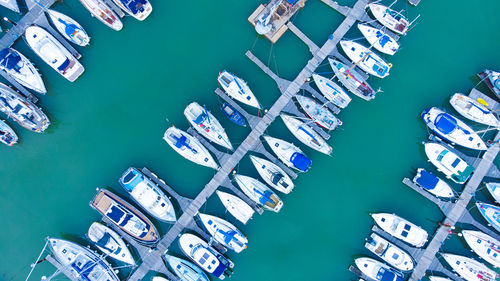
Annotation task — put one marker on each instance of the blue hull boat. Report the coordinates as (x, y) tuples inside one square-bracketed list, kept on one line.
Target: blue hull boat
[(233, 114)]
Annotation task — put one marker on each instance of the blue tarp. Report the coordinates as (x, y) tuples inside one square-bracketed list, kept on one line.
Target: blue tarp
[(63, 66), (115, 214), (445, 123), (427, 180), (9, 59), (300, 161)]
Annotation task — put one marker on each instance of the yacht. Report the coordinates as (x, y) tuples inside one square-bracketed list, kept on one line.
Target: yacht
[(306, 134), (238, 89), (103, 13), (289, 154), (448, 162), (110, 243), (139, 9), (377, 270), (379, 39), (21, 69), (494, 189), (483, 245), (185, 270), (365, 59), (401, 229), (7, 134), (259, 193), (319, 113), (389, 252), (352, 80), (236, 206), (390, 18), (272, 174), (469, 269), (491, 213), (69, 28), (433, 184), (224, 232), (473, 110), (331, 91)]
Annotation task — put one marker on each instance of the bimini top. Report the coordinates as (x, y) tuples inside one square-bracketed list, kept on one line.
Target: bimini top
[(446, 123), (427, 180), (300, 161)]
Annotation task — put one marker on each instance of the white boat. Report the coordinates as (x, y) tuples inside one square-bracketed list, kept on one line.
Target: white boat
[(473, 110), (306, 134), (379, 39), (185, 270), (21, 69), (139, 9), (352, 80), (469, 269), (492, 80), (390, 18), (259, 193), (401, 229), (53, 53), (10, 4), (365, 59), (205, 124), (289, 154), (437, 278), (189, 147), (103, 13), (110, 243), (319, 113), (236, 206), (491, 213), (263, 23), (238, 89), (433, 184), (452, 129), (224, 232), (159, 278), (7, 134), (332, 92), (494, 189), (448, 162), (272, 174), (483, 245), (69, 28), (378, 271), (389, 252)]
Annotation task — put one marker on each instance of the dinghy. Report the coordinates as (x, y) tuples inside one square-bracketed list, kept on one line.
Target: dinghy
[(331, 91), (320, 114), (272, 174), (21, 69), (238, 89), (236, 206), (232, 114), (469, 269), (189, 147), (494, 189), (390, 18), (493, 81), (224, 232), (289, 154), (452, 129), (259, 193), (379, 39), (7, 135), (365, 59), (352, 80), (110, 243), (483, 245), (185, 270), (306, 134), (139, 9), (389, 252), (53, 53), (401, 229), (377, 270), (103, 13), (448, 162), (433, 184), (205, 124), (148, 195), (491, 213), (69, 28), (473, 110)]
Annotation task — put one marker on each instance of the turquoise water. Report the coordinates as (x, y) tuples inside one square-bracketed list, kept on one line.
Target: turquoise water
[(138, 81)]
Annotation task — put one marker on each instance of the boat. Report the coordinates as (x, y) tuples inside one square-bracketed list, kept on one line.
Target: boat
[(7, 134), (259, 193), (125, 216), (379, 39), (289, 154), (236, 206), (492, 80), (433, 184), (365, 59), (491, 213), (139, 9), (148, 195), (189, 147), (80, 262), (352, 80), (401, 229), (232, 114), (10, 4), (224, 232), (69, 28), (238, 89), (377, 270), (331, 91), (494, 189), (485, 246), (473, 110), (437, 278), (448, 162), (319, 113), (205, 124), (185, 270), (159, 278), (263, 23), (53, 53), (110, 243), (389, 252), (21, 110), (205, 256), (21, 69), (272, 174), (469, 269), (390, 18), (306, 134), (103, 13), (452, 129)]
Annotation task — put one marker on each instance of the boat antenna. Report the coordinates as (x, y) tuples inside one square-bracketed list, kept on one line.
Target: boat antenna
[(33, 265)]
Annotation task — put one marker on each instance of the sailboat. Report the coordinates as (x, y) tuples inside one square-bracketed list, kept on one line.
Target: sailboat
[(390, 18), (306, 134), (289, 154), (272, 174), (494, 189), (491, 213), (259, 193), (236, 206), (365, 59), (352, 80), (237, 88), (379, 39), (21, 69), (469, 269), (483, 245), (473, 110), (224, 232), (331, 91), (319, 113), (69, 28), (104, 13)]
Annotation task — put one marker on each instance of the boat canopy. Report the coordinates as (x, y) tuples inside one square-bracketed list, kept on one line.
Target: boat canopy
[(265, 197), (300, 161), (9, 59), (135, 6), (384, 39), (386, 275), (427, 180), (132, 179), (445, 123), (103, 242)]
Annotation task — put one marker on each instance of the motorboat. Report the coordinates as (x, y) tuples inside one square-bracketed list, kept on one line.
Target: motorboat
[(224, 232), (319, 113), (232, 114), (352, 80), (7, 134), (125, 217), (365, 59), (473, 110), (391, 19), (447, 162), (189, 147), (401, 229), (469, 269), (69, 28), (389, 252), (306, 134), (185, 270), (272, 174), (259, 193), (148, 195), (205, 124), (485, 246), (331, 91), (53, 53), (377, 270), (236, 206), (21, 69), (379, 39), (104, 13), (110, 243), (289, 154), (491, 213), (432, 184), (237, 88), (452, 129), (139, 9), (494, 189)]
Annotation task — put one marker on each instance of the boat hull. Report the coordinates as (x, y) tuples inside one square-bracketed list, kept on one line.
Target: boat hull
[(331, 91), (366, 59), (320, 114), (448, 162), (469, 269), (259, 193), (238, 89), (272, 174), (473, 110), (236, 206), (289, 154), (306, 134), (401, 229), (352, 80), (104, 13), (483, 245), (23, 71), (69, 28)]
